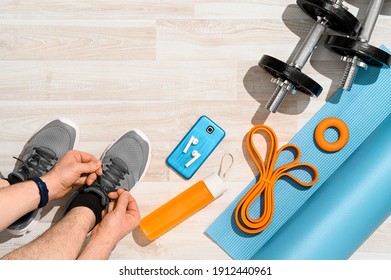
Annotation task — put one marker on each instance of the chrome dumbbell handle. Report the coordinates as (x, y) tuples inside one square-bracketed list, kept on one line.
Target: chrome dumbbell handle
[(370, 19), (307, 48)]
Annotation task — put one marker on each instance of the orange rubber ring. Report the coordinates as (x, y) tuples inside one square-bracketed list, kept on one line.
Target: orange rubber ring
[(331, 146)]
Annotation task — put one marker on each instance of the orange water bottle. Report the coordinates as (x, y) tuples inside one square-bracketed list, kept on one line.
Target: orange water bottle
[(182, 206)]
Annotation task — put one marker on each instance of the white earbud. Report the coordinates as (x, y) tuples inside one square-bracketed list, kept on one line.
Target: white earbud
[(195, 154), (192, 141)]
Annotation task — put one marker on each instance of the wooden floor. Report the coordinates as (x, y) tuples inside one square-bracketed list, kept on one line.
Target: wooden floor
[(158, 65)]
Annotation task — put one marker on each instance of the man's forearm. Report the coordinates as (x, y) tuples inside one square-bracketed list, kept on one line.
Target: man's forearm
[(16, 201)]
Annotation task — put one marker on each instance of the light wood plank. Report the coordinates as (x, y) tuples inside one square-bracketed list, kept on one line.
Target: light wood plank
[(45, 40), (118, 80), (84, 9), (218, 40)]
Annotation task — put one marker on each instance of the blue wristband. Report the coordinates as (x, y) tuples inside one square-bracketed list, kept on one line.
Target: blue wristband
[(43, 191)]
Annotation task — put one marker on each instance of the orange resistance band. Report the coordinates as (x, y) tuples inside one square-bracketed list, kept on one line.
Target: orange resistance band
[(268, 176)]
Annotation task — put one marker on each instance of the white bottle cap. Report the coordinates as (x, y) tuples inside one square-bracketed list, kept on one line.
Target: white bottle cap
[(215, 185)]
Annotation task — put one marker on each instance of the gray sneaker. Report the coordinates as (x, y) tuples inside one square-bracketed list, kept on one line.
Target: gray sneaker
[(124, 164), (39, 155)]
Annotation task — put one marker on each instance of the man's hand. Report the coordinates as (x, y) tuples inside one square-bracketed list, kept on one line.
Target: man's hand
[(119, 219), (75, 168)]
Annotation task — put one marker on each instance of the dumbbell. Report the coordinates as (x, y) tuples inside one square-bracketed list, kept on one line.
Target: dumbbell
[(356, 51), (288, 77)]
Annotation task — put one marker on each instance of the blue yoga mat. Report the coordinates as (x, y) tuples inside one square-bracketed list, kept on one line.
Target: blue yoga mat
[(346, 209), (363, 109)]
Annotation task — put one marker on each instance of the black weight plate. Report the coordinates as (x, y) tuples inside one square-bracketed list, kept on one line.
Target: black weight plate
[(349, 47), (340, 20), (282, 70)]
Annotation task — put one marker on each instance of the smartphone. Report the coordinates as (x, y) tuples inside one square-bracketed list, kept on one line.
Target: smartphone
[(195, 147)]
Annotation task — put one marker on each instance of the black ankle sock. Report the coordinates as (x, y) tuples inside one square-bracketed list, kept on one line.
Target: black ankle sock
[(90, 200), (12, 179)]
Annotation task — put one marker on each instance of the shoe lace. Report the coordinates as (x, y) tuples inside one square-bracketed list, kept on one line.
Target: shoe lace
[(113, 174), (38, 162)]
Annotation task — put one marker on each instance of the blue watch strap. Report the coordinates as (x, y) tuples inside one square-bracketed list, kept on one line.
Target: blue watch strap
[(43, 191)]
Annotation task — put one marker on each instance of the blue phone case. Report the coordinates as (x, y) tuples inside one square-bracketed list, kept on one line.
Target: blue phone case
[(208, 135)]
